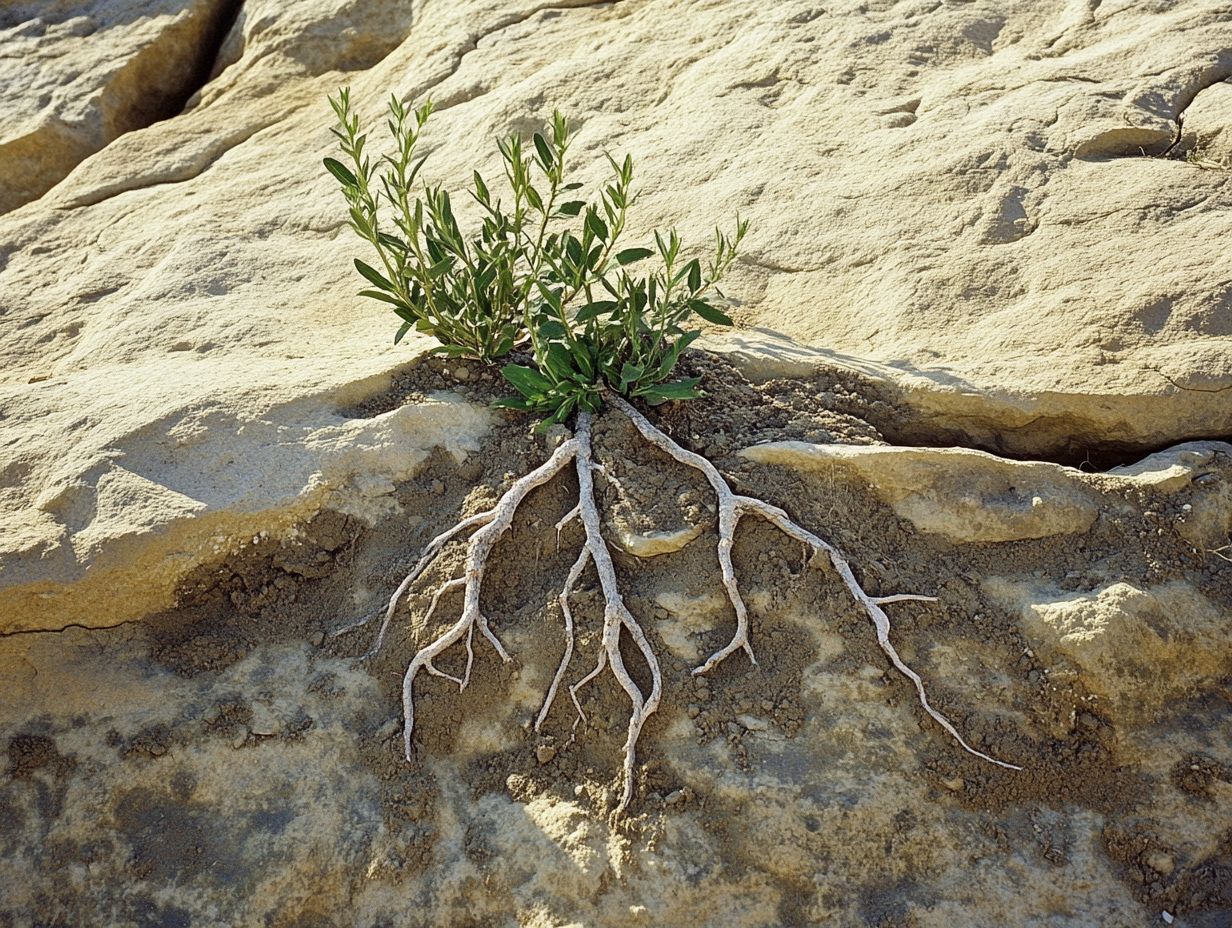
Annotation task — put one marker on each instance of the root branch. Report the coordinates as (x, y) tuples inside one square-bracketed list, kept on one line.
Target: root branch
[(618, 621)]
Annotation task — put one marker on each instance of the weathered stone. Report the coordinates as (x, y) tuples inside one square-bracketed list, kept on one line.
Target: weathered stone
[(652, 544), (1206, 130), (975, 497), (1138, 649)]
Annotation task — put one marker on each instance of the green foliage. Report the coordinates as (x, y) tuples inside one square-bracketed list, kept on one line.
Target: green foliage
[(545, 273)]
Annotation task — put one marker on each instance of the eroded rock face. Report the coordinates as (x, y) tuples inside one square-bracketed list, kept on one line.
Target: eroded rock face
[(78, 74), (982, 206), (1138, 648), (1206, 135), (230, 760)]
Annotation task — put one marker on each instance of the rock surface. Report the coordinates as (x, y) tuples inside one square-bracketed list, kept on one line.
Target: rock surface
[(1019, 257), (230, 761), (75, 75), (1206, 132), (984, 223)]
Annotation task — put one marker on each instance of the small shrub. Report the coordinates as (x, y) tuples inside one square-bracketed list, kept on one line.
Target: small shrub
[(547, 274), (543, 271)]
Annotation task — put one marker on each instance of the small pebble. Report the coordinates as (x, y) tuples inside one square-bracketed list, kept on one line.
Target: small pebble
[(544, 753)]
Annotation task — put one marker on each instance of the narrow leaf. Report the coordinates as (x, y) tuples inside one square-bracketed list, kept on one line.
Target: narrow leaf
[(558, 361), (340, 171), (384, 297), (597, 308), (551, 330), (526, 380), (597, 226), (373, 276), (629, 255), (677, 390), (545, 152), (513, 402), (709, 313), (695, 277)]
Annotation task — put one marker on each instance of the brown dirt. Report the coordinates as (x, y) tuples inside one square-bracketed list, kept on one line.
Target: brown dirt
[(339, 568)]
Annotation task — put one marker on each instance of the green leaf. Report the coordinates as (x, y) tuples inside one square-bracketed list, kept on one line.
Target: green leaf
[(552, 296), (481, 188), (629, 255), (573, 250), (585, 372), (526, 380), (597, 226), (545, 153), (503, 347), (677, 390), (551, 330), (629, 374), (695, 277), (513, 402), (571, 208), (340, 171), (558, 361), (402, 330), (597, 308), (373, 275), (384, 297), (709, 313)]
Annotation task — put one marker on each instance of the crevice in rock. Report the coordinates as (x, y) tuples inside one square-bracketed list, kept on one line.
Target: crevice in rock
[(1216, 75), (1144, 142), (214, 150), (130, 100), (63, 628), (1096, 457), (203, 68)]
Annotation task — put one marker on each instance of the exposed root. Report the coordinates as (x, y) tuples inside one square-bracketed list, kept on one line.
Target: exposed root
[(731, 507), (498, 520), (617, 619), (616, 616), (570, 582)]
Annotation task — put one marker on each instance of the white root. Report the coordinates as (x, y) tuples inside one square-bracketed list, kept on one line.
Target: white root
[(431, 551), (500, 518), (617, 619), (616, 616), (731, 508), (570, 582)]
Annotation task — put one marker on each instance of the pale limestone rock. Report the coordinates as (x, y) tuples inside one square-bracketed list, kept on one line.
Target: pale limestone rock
[(1199, 477), (75, 75), (966, 496), (1206, 134), (1138, 649), (1038, 283), (112, 545), (974, 497), (234, 829), (653, 543)]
